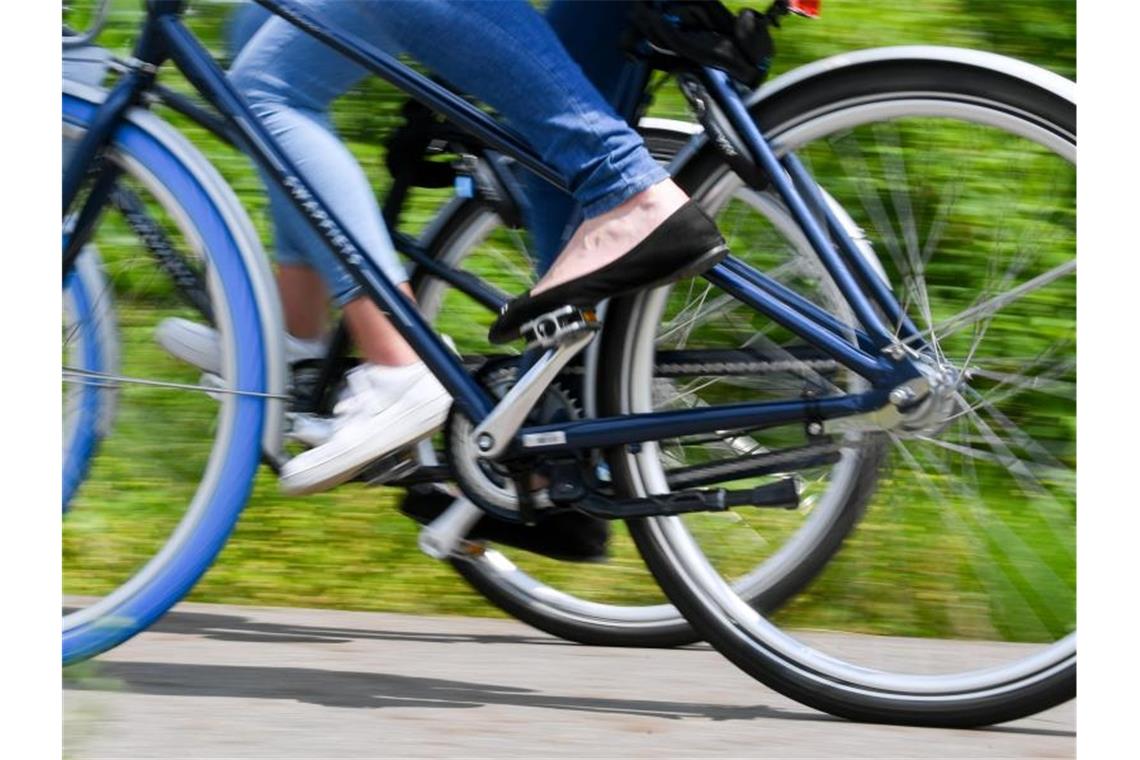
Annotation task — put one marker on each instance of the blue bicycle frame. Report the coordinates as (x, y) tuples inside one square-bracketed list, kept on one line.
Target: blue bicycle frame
[(165, 37)]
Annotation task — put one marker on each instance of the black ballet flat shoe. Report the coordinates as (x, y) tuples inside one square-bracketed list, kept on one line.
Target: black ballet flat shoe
[(684, 245)]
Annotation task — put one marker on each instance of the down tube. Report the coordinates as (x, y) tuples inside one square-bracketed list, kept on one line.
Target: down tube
[(196, 64)]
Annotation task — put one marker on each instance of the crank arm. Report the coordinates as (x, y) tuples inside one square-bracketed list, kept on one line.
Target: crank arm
[(494, 435)]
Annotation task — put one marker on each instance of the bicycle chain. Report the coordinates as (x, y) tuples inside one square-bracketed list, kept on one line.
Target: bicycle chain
[(720, 368), (724, 368)]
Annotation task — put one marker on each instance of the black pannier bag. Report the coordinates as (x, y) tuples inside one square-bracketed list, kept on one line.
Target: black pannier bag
[(708, 33)]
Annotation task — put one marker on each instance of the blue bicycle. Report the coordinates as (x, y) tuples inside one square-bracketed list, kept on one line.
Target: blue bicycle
[(469, 237), (940, 325)]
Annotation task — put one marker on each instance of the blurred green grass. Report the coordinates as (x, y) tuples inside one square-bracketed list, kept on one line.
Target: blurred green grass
[(351, 549)]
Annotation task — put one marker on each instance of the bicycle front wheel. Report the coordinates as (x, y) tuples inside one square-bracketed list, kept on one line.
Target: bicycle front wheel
[(151, 506), (953, 601), (91, 343)]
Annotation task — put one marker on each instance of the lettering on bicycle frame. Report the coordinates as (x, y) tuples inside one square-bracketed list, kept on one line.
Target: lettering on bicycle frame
[(331, 230)]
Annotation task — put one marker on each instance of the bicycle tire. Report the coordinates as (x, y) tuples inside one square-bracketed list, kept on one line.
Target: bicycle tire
[(977, 86), (184, 186), (89, 411), (547, 608)]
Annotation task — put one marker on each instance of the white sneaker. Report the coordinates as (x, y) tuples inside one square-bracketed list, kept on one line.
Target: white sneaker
[(198, 345), (308, 429), (381, 410)]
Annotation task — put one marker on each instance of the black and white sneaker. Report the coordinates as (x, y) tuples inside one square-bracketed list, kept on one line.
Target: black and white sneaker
[(198, 345)]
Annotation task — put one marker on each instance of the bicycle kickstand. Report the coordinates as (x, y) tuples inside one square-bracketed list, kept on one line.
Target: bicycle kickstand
[(443, 536)]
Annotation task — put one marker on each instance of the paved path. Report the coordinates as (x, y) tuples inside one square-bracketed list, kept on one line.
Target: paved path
[(217, 681)]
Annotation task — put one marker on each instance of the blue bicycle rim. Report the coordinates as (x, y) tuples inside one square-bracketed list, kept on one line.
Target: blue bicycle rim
[(77, 457), (177, 574)]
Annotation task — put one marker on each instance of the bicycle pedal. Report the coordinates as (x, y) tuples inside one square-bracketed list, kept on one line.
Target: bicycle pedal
[(558, 326), (396, 465)]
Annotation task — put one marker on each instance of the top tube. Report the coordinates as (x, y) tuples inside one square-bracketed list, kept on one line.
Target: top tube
[(444, 101)]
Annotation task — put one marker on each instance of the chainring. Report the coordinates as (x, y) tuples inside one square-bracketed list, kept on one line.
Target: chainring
[(489, 484)]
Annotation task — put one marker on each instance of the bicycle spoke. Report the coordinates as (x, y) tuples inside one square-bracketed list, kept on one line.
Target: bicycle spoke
[(1021, 438), (692, 323), (895, 167), (857, 169), (957, 525), (1043, 383), (510, 263), (104, 380), (1000, 555), (717, 306), (991, 306), (1008, 387), (1054, 513), (698, 312)]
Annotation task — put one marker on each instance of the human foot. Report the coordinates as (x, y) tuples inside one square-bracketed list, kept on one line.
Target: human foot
[(383, 409), (198, 344), (670, 245), (604, 238)]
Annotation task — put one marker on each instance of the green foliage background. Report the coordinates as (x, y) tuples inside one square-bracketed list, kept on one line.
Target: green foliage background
[(350, 548)]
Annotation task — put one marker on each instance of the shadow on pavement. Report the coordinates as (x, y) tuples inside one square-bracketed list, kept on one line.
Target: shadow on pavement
[(347, 689), (335, 688), (239, 628)]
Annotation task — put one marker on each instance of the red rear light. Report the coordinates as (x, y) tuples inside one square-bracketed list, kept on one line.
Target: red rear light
[(808, 8)]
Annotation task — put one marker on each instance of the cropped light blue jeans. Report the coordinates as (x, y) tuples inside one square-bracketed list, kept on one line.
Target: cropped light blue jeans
[(501, 51)]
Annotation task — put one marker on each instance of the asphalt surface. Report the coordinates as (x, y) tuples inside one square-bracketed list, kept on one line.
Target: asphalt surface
[(213, 681)]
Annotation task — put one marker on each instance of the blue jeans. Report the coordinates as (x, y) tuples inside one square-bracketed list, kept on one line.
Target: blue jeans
[(591, 31), (502, 52)]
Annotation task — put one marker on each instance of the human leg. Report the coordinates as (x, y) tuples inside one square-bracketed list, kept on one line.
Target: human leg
[(510, 58), (304, 300), (591, 32), (290, 79), (505, 53), (304, 297), (392, 400)]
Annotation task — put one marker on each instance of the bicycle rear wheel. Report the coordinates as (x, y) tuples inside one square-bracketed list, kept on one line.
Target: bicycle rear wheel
[(956, 593), (158, 498), (617, 603)]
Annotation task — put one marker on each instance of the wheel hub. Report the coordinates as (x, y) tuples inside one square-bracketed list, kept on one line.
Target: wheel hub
[(929, 414)]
